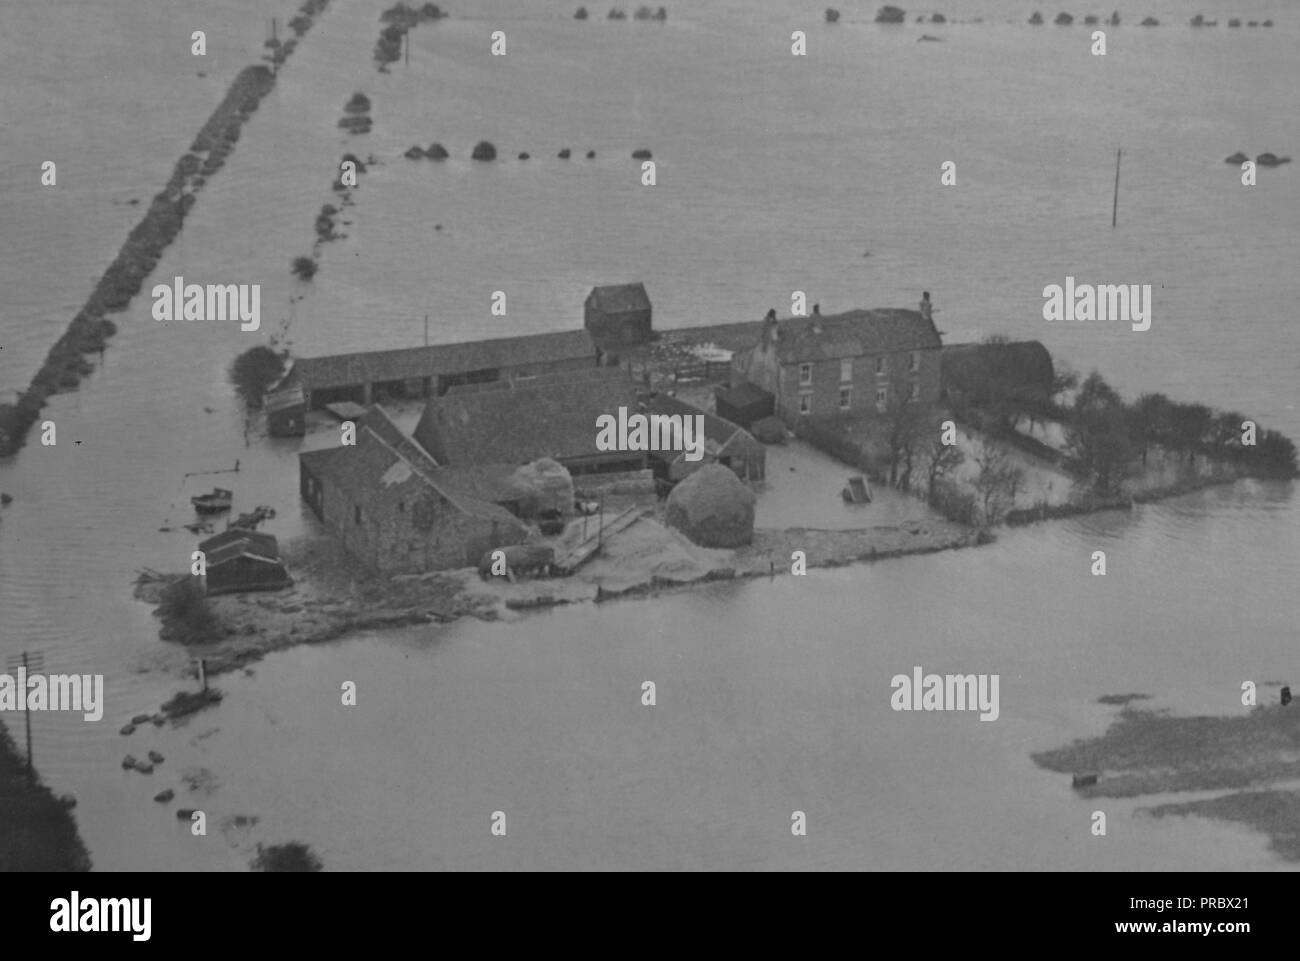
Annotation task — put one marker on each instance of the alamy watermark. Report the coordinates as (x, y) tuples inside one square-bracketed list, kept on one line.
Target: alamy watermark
[(1127, 302), (946, 692), (132, 915), (657, 432), (181, 301), (53, 692)]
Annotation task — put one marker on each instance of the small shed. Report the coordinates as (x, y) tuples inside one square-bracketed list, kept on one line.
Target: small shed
[(286, 411), (243, 560), (744, 404), (618, 316)]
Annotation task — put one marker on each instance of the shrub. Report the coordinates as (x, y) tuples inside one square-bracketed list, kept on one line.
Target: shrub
[(185, 612), (293, 856), (253, 371), (484, 151), (304, 267)]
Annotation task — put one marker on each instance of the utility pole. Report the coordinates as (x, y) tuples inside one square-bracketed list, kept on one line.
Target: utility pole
[(24, 663), (426, 330), (1114, 210)]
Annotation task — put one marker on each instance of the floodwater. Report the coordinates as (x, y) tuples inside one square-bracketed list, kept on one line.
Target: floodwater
[(775, 173)]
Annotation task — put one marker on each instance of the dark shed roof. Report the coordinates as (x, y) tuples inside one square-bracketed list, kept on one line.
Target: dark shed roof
[(620, 298), (980, 370)]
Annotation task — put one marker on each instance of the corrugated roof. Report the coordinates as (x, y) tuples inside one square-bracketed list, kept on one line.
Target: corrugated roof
[(341, 370), (518, 426), (620, 298)]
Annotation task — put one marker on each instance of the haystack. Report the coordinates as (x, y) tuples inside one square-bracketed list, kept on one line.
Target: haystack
[(544, 484), (713, 508)]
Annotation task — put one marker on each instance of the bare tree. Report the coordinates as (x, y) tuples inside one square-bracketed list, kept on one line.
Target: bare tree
[(906, 425), (940, 461), (997, 482)]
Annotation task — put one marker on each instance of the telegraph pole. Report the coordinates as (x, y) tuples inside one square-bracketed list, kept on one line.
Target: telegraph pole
[(1114, 210)]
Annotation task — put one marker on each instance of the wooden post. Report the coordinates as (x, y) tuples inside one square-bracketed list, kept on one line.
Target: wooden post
[(203, 674), (1114, 210), (426, 330), (27, 717)]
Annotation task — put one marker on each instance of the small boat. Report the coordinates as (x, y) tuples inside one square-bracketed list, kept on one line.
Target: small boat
[(214, 503)]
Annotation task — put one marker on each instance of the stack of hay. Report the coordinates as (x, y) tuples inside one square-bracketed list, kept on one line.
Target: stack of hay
[(544, 485), (713, 508)]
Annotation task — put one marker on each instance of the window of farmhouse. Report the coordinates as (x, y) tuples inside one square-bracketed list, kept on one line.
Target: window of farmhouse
[(805, 374), (846, 369), (846, 398), (880, 365), (916, 360), (805, 403)]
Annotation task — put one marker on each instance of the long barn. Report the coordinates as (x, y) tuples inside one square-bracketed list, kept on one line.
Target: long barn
[(432, 371)]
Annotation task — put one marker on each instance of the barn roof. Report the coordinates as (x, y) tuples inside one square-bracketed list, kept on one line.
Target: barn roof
[(620, 298), (342, 370), (1017, 365), (383, 457), (519, 425)]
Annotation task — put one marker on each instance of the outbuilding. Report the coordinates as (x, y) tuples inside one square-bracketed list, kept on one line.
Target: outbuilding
[(240, 560)]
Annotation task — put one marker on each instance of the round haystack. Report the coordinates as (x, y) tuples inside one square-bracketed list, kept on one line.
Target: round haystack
[(713, 508), (544, 484)]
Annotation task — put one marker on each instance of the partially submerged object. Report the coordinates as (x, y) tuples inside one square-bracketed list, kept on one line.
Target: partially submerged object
[(215, 502)]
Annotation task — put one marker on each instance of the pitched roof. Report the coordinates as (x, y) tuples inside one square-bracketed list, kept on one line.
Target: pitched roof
[(854, 333), (384, 456), (881, 330), (341, 370), (1022, 366), (620, 298), (285, 397), (519, 425), (717, 429), (238, 542)]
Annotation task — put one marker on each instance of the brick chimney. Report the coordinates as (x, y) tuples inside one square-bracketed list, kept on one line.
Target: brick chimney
[(817, 319)]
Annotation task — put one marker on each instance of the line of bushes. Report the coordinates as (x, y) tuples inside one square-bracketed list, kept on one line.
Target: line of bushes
[(89, 330), (400, 18), (37, 830)]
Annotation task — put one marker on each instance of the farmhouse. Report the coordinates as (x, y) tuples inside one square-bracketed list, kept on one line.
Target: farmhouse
[(843, 363), (384, 499), (432, 371)]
